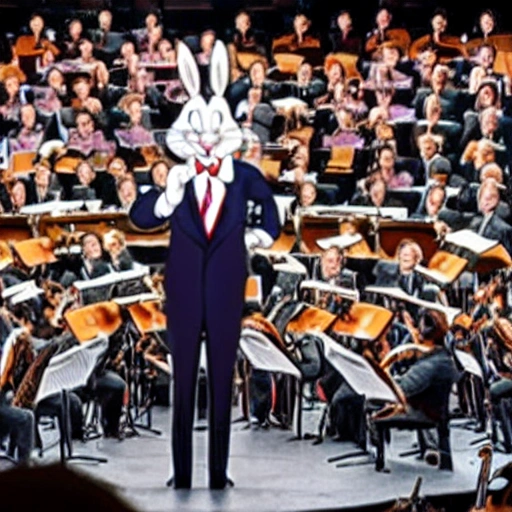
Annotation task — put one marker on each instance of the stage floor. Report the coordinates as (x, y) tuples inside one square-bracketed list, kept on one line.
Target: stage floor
[(272, 472)]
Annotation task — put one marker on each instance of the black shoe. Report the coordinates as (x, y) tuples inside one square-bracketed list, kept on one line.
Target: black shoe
[(178, 484), (219, 484)]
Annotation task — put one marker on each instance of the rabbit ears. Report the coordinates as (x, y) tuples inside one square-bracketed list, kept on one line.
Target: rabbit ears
[(189, 71)]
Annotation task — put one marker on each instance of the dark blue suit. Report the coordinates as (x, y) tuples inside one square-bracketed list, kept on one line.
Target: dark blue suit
[(205, 286)]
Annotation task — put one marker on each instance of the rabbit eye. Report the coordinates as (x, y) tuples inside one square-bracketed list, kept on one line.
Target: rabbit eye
[(195, 121), (216, 120)]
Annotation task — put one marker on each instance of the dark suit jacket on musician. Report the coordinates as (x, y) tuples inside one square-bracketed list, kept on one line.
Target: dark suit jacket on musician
[(496, 229)]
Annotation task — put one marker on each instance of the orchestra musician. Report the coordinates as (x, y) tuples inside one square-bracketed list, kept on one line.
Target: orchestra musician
[(444, 45), (28, 48), (426, 384)]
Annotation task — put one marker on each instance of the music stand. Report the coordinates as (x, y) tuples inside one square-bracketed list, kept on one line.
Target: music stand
[(264, 355), (364, 380), (65, 372), (148, 318)]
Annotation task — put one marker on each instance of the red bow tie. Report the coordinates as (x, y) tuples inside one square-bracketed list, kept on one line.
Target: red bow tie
[(212, 169)]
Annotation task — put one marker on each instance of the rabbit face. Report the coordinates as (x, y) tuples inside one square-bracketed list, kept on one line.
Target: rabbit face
[(204, 129)]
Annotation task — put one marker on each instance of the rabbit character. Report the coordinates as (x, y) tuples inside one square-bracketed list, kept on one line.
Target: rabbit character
[(205, 202)]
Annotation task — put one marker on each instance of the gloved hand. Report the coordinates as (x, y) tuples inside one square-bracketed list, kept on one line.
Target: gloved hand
[(172, 196), (257, 238)]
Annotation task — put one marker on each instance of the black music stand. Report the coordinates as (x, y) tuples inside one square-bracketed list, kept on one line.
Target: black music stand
[(65, 372), (364, 380)]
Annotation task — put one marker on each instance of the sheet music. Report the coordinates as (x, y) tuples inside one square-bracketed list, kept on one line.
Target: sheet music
[(112, 278), (321, 286), (288, 102), (469, 363), (18, 288), (357, 371), (397, 293), (342, 241), (27, 294), (264, 355), (51, 207), (396, 213), (72, 368), (471, 241)]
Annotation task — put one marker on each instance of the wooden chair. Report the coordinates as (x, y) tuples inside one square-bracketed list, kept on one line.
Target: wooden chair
[(341, 161)]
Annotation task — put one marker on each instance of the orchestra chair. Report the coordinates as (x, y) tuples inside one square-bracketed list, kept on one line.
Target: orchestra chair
[(341, 161), (348, 61), (65, 372), (381, 425)]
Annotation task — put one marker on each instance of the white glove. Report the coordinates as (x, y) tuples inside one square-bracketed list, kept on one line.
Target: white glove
[(257, 238), (172, 196)]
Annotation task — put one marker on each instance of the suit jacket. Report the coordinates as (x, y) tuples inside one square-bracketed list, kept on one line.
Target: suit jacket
[(205, 279), (496, 229)]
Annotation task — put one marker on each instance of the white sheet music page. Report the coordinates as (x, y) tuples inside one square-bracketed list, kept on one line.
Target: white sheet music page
[(264, 355), (357, 371), (471, 241)]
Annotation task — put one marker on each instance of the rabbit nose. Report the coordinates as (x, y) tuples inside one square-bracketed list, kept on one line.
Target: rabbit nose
[(207, 146)]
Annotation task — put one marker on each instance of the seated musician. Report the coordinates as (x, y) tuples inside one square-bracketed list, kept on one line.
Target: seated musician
[(94, 261), (19, 194), (401, 272), (135, 134), (391, 68), (386, 166), (126, 188), (446, 46), (28, 47), (69, 44), (44, 184), (114, 243), (117, 167), (453, 100), (300, 38), (488, 223), (379, 34), (343, 37), (446, 133), (256, 78), (483, 69), (374, 192), (11, 78), (387, 108), (86, 139), (29, 135), (431, 205), (430, 148), (331, 268), (306, 87), (244, 39), (487, 124), (158, 172), (486, 25), (54, 93), (426, 384), (96, 67), (101, 185), (84, 99)]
